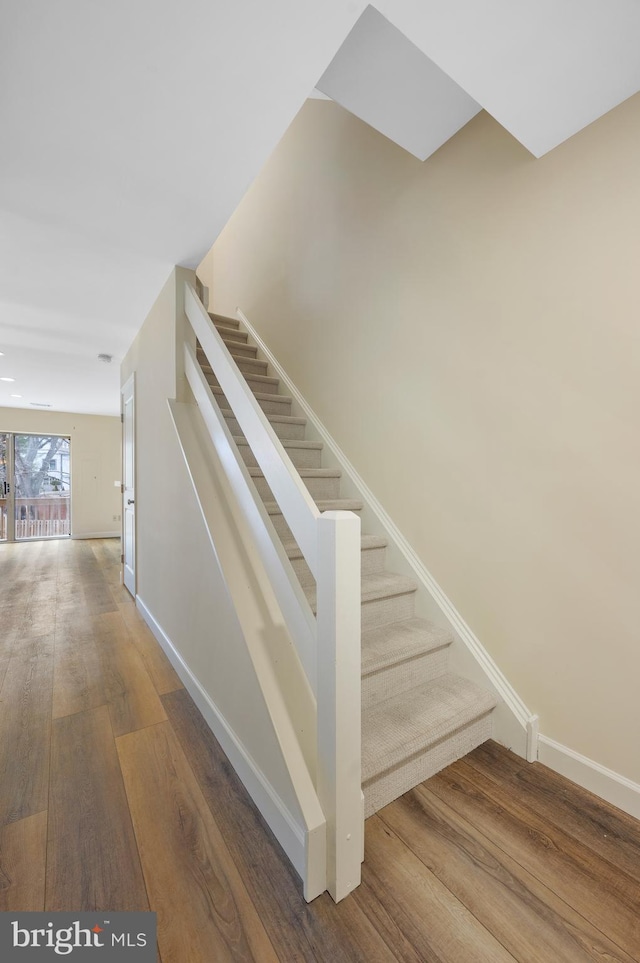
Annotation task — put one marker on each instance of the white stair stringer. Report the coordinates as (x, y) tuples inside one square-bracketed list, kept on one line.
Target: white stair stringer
[(417, 716)]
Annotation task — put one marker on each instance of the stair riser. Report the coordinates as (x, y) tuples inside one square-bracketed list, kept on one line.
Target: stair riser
[(269, 406), (266, 387), (318, 488), (252, 366), (229, 334), (371, 560), (301, 457), (282, 429), (224, 322), (247, 366), (323, 488), (386, 610), (241, 350), (383, 789), (403, 676)]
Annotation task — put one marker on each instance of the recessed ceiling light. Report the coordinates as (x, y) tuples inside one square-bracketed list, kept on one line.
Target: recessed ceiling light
[(7, 379), (16, 396), (1, 354)]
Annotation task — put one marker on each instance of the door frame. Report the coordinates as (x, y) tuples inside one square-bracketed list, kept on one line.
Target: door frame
[(128, 486)]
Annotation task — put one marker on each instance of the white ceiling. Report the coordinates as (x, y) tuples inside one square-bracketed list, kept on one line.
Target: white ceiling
[(130, 132), (384, 79), (543, 68)]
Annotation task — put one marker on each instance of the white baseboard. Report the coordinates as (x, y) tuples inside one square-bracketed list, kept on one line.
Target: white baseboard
[(98, 535), (290, 835), (514, 725), (603, 782)]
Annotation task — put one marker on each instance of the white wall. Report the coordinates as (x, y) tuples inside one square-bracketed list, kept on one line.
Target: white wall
[(96, 457), (179, 578), (467, 330)]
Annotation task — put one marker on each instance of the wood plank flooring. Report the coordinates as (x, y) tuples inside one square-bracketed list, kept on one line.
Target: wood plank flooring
[(92, 857), (115, 795)]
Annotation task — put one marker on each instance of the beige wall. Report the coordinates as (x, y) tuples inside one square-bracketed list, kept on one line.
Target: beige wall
[(467, 329), (96, 451)]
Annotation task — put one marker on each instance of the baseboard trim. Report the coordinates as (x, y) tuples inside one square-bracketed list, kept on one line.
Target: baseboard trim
[(289, 834), (603, 782), (533, 736), (525, 720), (98, 535)]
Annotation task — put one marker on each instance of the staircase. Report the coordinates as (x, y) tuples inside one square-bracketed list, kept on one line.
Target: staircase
[(417, 717)]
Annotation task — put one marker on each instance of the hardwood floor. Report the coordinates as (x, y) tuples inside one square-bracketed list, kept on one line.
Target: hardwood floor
[(115, 795)]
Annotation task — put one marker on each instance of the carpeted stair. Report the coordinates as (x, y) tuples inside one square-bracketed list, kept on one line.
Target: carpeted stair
[(417, 717)]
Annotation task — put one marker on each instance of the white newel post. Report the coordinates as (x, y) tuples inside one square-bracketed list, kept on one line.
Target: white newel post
[(338, 693)]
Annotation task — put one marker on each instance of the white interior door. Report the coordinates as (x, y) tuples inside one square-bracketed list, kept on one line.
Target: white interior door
[(129, 484)]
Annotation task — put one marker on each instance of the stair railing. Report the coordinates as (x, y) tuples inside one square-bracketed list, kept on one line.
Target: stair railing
[(329, 645)]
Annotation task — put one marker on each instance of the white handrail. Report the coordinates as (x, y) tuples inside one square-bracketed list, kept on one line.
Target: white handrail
[(290, 492)]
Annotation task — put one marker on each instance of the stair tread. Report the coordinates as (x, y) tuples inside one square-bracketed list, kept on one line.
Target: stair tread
[(273, 418), (324, 504), (304, 472), (231, 343), (387, 645), (262, 379), (206, 367), (221, 319), (285, 442), (411, 722), (294, 551), (238, 344), (241, 337), (377, 585), (260, 395)]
